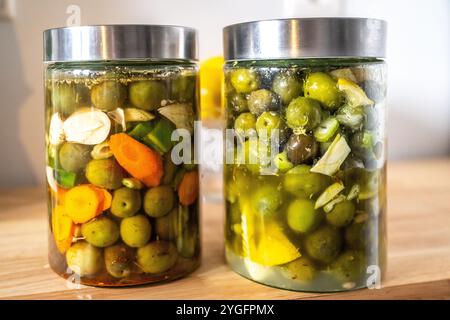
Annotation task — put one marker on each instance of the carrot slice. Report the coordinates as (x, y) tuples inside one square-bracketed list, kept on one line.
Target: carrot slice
[(59, 194), (188, 188), (82, 203), (63, 228), (104, 195), (140, 161)]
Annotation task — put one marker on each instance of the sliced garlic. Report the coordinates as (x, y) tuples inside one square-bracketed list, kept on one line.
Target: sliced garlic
[(181, 114), (56, 130), (118, 116), (133, 114), (87, 126)]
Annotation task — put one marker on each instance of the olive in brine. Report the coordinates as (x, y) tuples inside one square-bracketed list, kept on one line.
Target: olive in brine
[(135, 231), (166, 226), (301, 215), (74, 157), (302, 270), (108, 95), (105, 173), (147, 94), (118, 260), (342, 214), (244, 80), (125, 202), (349, 268), (323, 88), (262, 100), (266, 200), (66, 98), (100, 232), (323, 244), (157, 256), (158, 201), (269, 121), (301, 148), (237, 102), (244, 122), (303, 113), (287, 86), (182, 89)]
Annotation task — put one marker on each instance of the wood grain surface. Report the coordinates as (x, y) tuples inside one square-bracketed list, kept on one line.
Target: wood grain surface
[(418, 248)]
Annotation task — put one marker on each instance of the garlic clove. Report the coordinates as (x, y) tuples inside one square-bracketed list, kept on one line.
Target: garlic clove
[(88, 126)]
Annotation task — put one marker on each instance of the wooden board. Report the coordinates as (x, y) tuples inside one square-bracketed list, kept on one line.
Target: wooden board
[(418, 249)]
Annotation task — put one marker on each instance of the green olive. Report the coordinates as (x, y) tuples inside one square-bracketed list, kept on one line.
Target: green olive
[(157, 256), (105, 173), (269, 121), (135, 231), (323, 244), (301, 269), (262, 100), (266, 199), (166, 226), (342, 214), (84, 259), (348, 267), (321, 87), (158, 201), (147, 94), (301, 215), (244, 80), (108, 95), (301, 182), (301, 148), (118, 260), (182, 88), (74, 157), (287, 86), (244, 123), (237, 102), (125, 202), (356, 234), (66, 98), (303, 113), (100, 232)]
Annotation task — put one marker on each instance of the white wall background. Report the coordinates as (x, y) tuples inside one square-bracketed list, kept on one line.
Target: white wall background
[(418, 60)]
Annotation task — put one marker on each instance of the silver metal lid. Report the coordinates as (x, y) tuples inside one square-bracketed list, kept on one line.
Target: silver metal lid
[(120, 42), (305, 38)]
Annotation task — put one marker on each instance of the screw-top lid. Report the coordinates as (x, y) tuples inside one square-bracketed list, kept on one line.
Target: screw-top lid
[(305, 38), (120, 42)]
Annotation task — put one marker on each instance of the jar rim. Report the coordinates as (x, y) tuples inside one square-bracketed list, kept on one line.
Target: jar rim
[(120, 42), (325, 37)]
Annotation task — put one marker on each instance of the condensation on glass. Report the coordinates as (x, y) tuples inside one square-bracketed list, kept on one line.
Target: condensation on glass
[(121, 211), (312, 216)]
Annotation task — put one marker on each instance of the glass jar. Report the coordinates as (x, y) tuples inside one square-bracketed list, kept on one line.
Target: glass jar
[(305, 159), (123, 208)]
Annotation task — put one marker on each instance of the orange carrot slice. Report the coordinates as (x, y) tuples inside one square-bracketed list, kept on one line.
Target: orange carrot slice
[(188, 188), (63, 228), (82, 203), (140, 161), (104, 195)]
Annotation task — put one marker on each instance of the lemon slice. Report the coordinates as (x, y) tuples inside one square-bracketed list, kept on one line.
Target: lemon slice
[(354, 94), (211, 87), (273, 247)]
